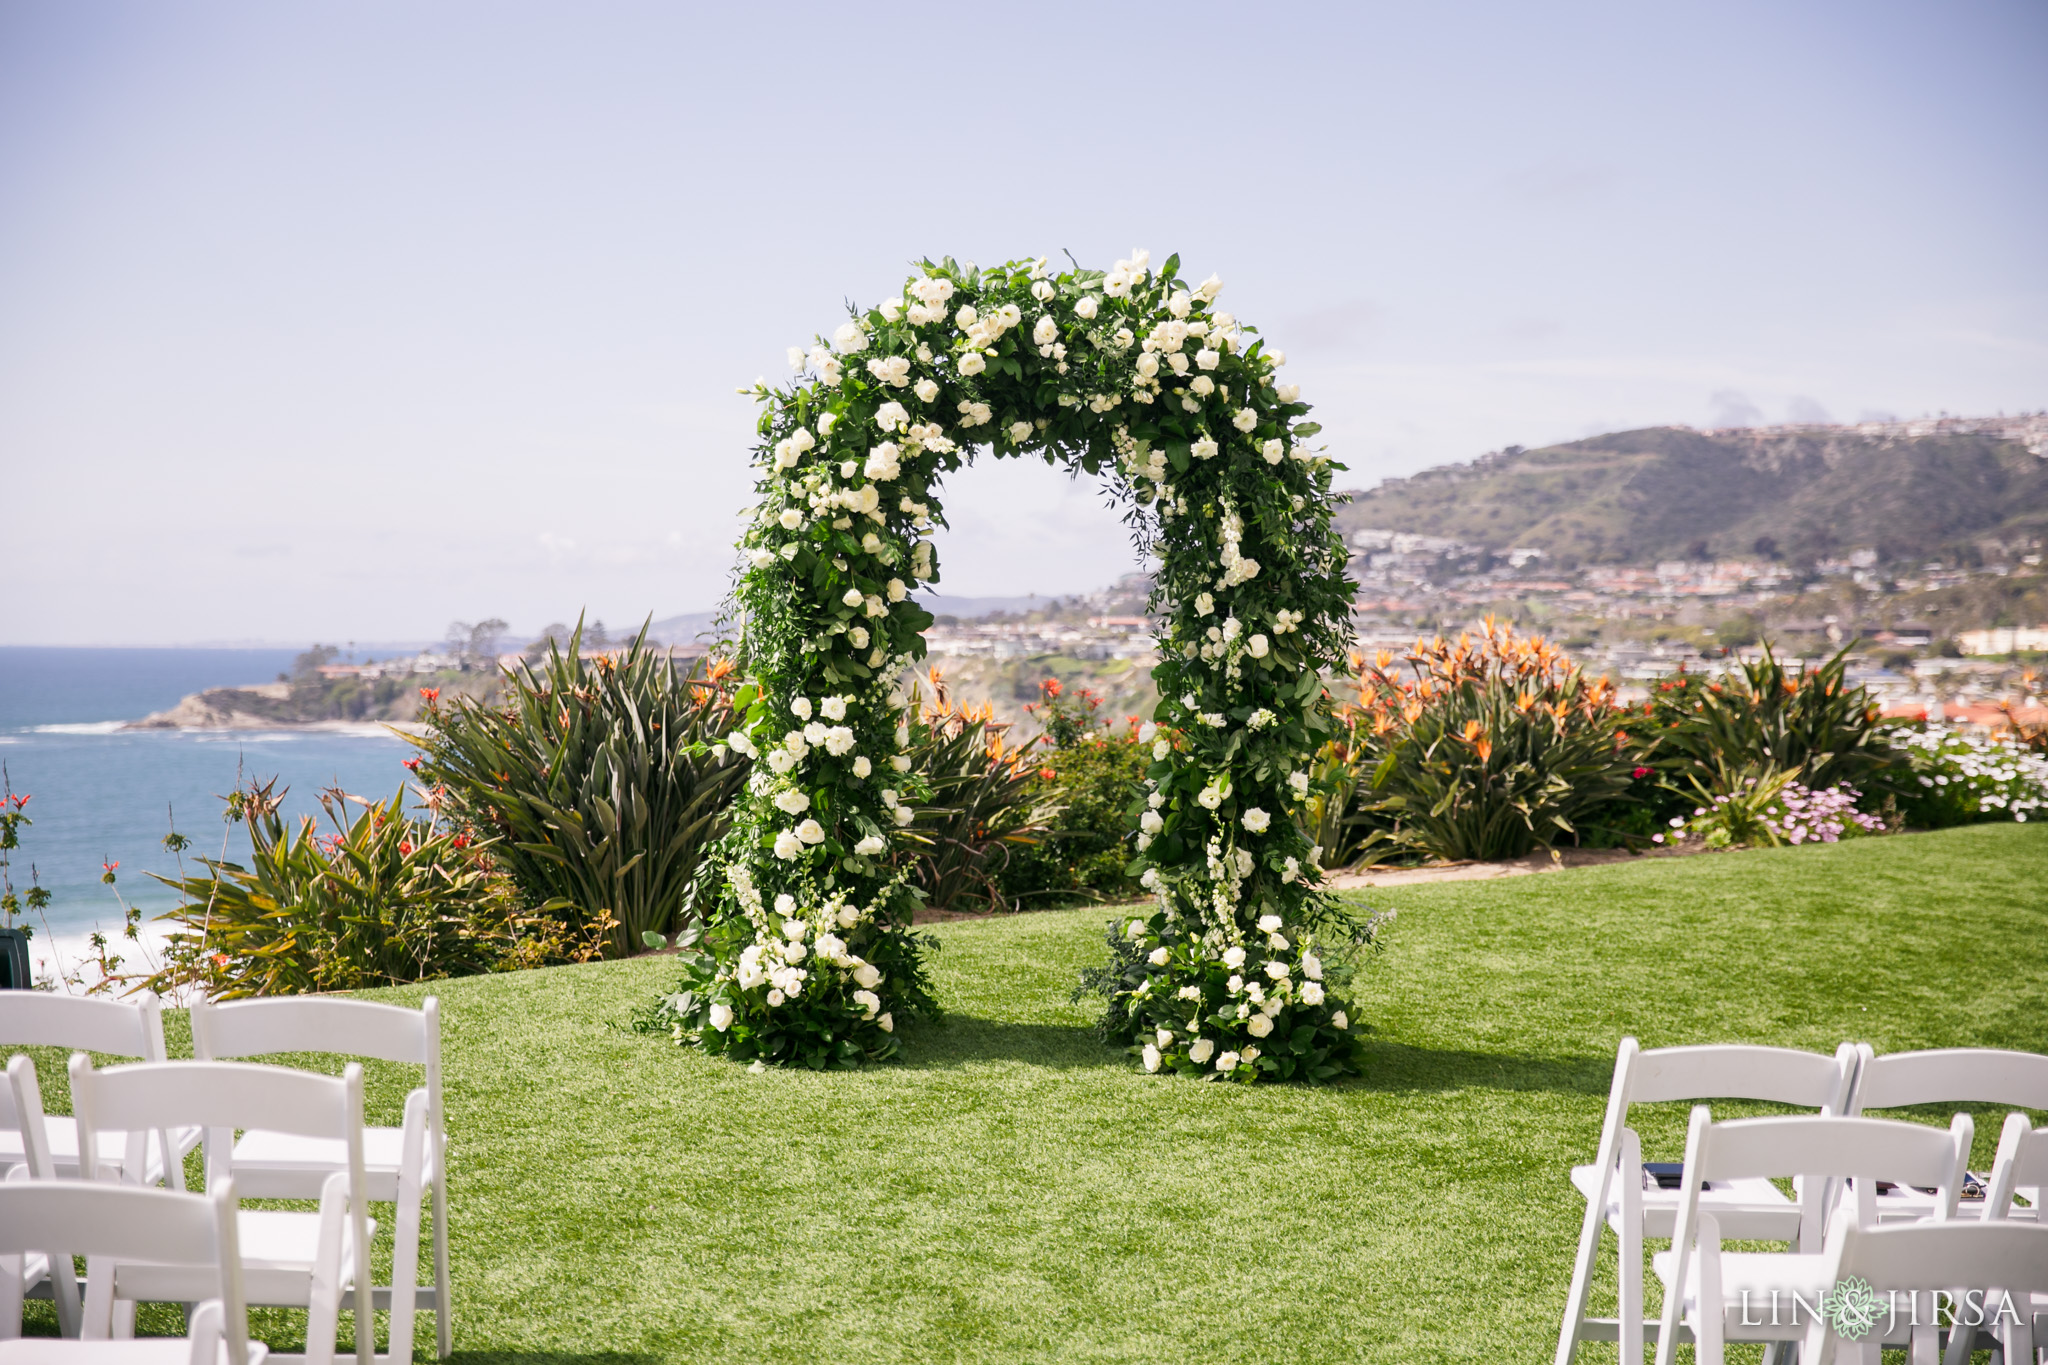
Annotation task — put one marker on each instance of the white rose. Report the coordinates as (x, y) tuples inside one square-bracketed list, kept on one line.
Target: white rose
[(1274, 450), (1233, 957), (896, 590), (1151, 822), (901, 763), (1210, 798), (833, 708), (1338, 1020), (1259, 1027), (1158, 957), (1147, 732), (1204, 449), (1151, 1057), (1160, 749), (871, 846), (859, 636), (1148, 365), (1150, 881), (867, 975), (774, 998), (1277, 970), (881, 463), (850, 338), (888, 1024), (761, 558), (1086, 308), (790, 518), (839, 741), (1258, 645), (794, 929), (851, 597), (1019, 430), (1288, 393), (811, 832), (1312, 993), (1205, 605), (869, 1002), (1201, 1050), (926, 390), (904, 814), (1208, 289), (1312, 966), (741, 744), (1203, 385), (1227, 1062), (814, 733), (1245, 420), (891, 415), (792, 802), (973, 363), (721, 1017), (861, 766), (787, 845), (800, 707), (1207, 359), (781, 760), (1276, 358), (1180, 365), (1045, 332)]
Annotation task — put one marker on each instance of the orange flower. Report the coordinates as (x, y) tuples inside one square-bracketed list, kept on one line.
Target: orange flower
[(1473, 730), (1524, 701), (1484, 748)]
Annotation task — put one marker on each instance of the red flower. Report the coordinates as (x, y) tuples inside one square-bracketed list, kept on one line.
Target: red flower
[(220, 959), (111, 866), (1640, 773), (405, 848), (1051, 687), (412, 765), (462, 841), (20, 801), (1047, 773), (432, 694)]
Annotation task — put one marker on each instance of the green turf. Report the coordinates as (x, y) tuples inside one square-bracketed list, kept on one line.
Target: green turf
[(1013, 1191)]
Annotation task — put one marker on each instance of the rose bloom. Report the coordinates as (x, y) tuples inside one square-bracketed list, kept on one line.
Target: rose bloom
[(1086, 308), (1259, 1027), (1233, 957), (811, 832), (890, 415), (888, 1024), (973, 362), (721, 1017), (1245, 420), (1151, 822), (792, 802), (1203, 385), (1207, 359), (1151, 1057), (1258, 645), (1204, 449), (861, 766), (926, 390), (1227, 1062), (1201, 1050), (1277, 970), (1311, 993), (787, 846), (1046, 332), (870, 846)]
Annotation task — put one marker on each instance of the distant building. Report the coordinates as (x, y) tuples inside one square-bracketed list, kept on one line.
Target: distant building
[(2003, 640)]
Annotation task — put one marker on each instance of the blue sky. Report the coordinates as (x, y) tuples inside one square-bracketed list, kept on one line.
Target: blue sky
[(344, 320)]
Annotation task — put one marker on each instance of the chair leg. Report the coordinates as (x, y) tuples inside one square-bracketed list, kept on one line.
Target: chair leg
[(1630, 1235), (405, 1265), (444, 1306)]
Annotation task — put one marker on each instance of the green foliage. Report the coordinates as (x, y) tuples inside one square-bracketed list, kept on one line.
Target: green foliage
[(978, 802), (1095, 783), (603, 779), (1488, 751), (383, 899), (1813, 725)]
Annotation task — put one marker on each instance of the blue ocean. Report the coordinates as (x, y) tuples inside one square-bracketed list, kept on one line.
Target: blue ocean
[(99, 794)]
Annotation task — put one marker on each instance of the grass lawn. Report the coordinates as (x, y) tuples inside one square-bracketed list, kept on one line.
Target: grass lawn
[(1014, 1191)]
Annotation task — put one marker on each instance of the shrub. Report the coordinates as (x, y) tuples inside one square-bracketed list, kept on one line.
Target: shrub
[(1951, 778), (1718, 733), (383, 899), (1774, 809), (975, 801), (603, 779), (1490, 749), (1094, 780)]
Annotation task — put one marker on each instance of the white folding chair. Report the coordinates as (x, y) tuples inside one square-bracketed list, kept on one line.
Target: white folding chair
[(2020, 1168), (289, 1259), (121, 1028), (1620, 1193), (402, 1164), (164, 1227), (33, 1272), (1755, 1296), (1960, 1075), (1907, 1265)]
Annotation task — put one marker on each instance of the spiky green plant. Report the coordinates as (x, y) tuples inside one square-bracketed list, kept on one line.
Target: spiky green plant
[(603, 778)]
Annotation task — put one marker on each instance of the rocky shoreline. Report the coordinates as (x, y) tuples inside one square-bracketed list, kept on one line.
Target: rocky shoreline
[(318, 704)]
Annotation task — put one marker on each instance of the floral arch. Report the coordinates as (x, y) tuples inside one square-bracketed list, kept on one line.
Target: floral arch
[(1129, 373)]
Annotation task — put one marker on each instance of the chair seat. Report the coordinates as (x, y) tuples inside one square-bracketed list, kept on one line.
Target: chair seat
[(284, 1166), (278, 1251), (111, 1148), (134, 1351), (1749, 1210)]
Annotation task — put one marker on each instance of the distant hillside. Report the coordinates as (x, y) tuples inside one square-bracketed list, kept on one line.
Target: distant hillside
[(1675, 493)]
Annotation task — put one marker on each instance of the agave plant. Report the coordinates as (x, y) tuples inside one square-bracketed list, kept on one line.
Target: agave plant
[(603, 779)]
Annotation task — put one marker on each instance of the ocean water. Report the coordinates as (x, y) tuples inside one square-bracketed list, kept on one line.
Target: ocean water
[(99, 794)]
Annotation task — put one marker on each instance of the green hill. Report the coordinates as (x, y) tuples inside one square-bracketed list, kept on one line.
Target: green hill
[(1671, 492)]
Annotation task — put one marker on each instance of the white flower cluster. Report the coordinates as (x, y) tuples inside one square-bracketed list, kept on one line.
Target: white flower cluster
[(1976, 776)]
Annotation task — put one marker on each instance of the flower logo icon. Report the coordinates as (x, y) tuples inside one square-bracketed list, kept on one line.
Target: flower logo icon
[(1852, 1308)]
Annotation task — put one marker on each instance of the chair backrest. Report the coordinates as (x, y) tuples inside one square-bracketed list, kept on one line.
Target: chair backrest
[(24, 1097), (1781, 1075), (2022, 1162), (2003, 1262), (1956, 1075), (121, 1028), (92, 1218), (349, 1028), (218, 1097)]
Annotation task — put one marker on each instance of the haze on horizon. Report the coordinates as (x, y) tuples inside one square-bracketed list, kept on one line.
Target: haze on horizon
[(342, 321)]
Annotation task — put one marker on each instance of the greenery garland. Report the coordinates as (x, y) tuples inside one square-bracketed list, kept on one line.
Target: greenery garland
[(1126, 372)]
